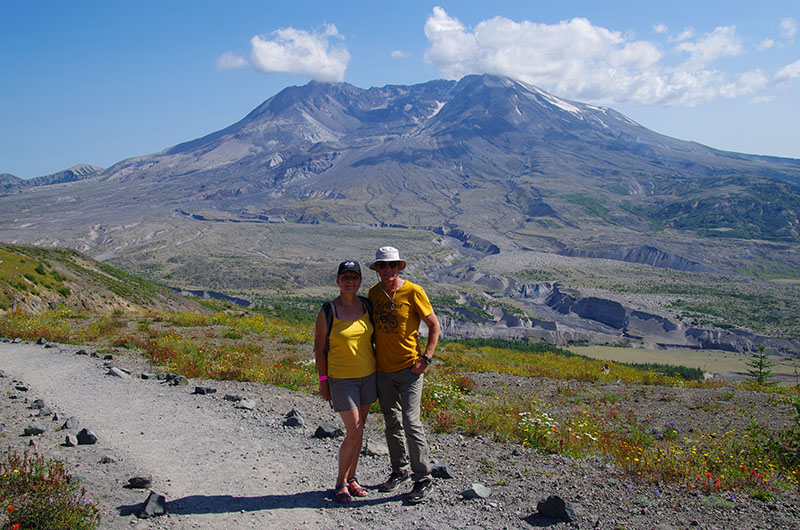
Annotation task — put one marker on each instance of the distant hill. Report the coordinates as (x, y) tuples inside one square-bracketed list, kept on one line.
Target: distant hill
[(9, 182), (36, 279)]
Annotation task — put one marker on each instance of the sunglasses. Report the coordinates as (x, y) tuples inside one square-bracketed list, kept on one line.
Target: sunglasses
[(390, 264)]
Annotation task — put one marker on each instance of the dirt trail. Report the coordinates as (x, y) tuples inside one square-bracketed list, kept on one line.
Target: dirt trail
[(218, 466)]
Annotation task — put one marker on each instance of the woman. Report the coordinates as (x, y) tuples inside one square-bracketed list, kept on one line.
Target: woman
[(346, 367)]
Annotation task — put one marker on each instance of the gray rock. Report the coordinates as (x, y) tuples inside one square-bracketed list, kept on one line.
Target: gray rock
[(41, 341), (203, 390), (294, 421), (555, 507), (86, 437), (374, 448), (21, 388), (149, 375), (70, 440), (326, 430), (34, 429), (70, 424), (247, 404), (106, 460), (233, 397), (81, 352), (154, 505), (37, 404), (476, 491), (108, 357), (441, 471), (179, 381), (49, 345), (139, 482), (16, 341), (294, 412), (44, 412), (117, 372)]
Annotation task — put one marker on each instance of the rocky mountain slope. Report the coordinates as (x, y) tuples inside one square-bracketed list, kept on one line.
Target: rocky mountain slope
[(484, 182)]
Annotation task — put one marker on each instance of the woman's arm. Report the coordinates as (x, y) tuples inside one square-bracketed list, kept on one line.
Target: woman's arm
[(320, 337)]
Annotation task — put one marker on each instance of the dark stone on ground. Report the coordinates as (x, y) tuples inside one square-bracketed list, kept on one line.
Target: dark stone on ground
[(555, 507), (140, 482), (203, 390), (34, 429), (86, 437), (154, 505), (326, 430)]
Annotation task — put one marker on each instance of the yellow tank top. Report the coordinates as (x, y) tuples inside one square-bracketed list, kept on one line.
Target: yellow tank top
[(350, 353)]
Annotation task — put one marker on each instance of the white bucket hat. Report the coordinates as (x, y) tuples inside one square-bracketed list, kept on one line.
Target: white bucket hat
[(387, 254)]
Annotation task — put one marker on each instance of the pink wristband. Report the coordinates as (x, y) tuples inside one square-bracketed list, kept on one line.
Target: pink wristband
[(323, 377)]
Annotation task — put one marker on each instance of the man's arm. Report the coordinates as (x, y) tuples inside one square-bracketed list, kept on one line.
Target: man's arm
[(434, 329)]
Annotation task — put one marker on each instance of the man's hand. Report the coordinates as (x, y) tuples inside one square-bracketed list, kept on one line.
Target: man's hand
[(419, 366)]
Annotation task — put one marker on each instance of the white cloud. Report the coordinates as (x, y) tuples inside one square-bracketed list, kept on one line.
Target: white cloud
[(660, 28), (231, 61), (722, 42), (788, 28), (788, 72), (765, 44), (301, 52), (579, 60), (746, 84), (686, 34), (400, 54)]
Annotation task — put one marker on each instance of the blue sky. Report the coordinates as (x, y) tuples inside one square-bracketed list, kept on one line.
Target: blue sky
[(98, 82)]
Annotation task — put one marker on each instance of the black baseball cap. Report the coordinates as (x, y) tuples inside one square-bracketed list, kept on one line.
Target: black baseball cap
[(349, 266)]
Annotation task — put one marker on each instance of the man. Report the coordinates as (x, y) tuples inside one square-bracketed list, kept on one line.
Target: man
[(398, 307)]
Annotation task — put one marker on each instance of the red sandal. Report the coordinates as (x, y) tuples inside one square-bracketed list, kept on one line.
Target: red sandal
[(355, 488)]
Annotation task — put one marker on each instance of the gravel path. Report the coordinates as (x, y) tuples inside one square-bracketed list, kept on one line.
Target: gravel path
[(224, 467)]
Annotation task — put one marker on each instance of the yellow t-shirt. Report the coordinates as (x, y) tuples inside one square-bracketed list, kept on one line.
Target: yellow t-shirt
[(350, 353), (396, 346)]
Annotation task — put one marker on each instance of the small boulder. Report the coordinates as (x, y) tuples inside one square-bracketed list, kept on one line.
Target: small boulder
[(179, 381), (70, 440), (37, 404), (555, 507), (441, 471), (154, 505), (373, 448), (70, 424), (41, 341), (327, 430), (149, 375), (81, 352), (34, 429), (86, 437), (233, 397), (203, 390), (247, 404), (44, 412), (117, 372), (140, 482), (476, 491)]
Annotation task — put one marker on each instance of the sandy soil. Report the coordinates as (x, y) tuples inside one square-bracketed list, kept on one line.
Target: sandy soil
[(223, 467)]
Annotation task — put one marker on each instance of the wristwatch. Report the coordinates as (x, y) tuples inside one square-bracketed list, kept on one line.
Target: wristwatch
[(428, 360)]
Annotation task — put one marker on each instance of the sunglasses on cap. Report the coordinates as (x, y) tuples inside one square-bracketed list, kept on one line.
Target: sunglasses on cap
[(390, 264)]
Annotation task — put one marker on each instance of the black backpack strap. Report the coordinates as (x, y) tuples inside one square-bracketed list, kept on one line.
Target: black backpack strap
[(327, 309)]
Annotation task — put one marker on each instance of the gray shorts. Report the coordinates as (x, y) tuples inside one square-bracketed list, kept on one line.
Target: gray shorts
[(352, 393)]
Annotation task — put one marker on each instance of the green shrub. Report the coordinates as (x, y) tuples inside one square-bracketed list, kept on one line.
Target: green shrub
[(38, 494)]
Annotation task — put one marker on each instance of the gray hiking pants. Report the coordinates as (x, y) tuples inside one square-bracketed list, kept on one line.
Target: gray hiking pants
[(400, 395)]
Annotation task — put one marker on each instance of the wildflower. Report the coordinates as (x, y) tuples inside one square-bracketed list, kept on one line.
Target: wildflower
[(10, 508)]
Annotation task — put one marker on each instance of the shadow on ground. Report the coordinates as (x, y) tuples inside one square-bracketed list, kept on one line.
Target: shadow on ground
[(205, 504)]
